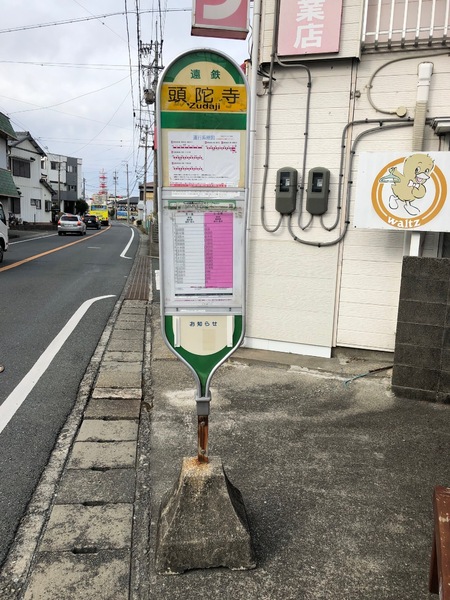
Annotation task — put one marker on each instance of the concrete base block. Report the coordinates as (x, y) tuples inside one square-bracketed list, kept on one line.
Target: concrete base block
[(202, 522)]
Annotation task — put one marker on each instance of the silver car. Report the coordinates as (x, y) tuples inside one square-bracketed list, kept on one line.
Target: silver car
[(71, 224)]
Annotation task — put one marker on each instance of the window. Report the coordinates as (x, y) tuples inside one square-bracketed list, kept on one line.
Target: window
[(70, 169), (15, 206), (33, 201), (21, 168), (58, 166), (38, 204)]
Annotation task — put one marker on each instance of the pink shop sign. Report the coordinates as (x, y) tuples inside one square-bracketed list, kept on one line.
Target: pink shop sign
[(220, 18), (309, 27)]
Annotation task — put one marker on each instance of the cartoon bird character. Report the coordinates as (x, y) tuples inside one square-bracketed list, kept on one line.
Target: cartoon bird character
[(409, 185)]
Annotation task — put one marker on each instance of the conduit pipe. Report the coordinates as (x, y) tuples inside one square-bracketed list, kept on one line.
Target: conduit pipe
[(413, 242), (256, 26)]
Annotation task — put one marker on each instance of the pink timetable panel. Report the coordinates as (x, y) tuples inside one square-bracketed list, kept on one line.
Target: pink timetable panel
[(218, 250), (203, 252)]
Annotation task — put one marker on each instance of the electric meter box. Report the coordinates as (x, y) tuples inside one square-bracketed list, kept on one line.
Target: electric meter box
[(317, 191), (286, 190)]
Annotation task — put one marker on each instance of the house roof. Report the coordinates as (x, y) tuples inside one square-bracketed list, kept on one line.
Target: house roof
[(7, 186), (6, 127), (21, 136), (47, 186)]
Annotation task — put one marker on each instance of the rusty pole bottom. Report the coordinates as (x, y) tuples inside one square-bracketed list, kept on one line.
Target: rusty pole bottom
[(202, 453)]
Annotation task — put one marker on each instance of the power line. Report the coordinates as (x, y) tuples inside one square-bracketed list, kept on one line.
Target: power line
[(101, 66), (58, 111), (129, 55), (81, 19), (70, 99), (92, 14)]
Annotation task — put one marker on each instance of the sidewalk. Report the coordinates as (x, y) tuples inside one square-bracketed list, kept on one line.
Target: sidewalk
[(23, 234), (336, 474)]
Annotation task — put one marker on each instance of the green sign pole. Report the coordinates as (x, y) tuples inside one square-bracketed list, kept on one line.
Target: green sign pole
[(202, 137)]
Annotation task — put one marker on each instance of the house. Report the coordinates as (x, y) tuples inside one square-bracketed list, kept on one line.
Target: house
[(64, 174), (48, 183), (9, 194), (27, 159), (127, 207), (346, 91)]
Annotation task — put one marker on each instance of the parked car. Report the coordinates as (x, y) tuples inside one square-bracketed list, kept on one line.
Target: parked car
[(92, 221), (71, 224)]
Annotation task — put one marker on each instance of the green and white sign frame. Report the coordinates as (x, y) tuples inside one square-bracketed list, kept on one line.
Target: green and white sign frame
[(202, 142)]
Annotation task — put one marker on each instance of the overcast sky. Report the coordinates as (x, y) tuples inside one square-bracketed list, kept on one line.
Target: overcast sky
[(71, 86)]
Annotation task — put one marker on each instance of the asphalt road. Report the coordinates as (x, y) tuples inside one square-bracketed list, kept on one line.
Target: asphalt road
[(43, 283)]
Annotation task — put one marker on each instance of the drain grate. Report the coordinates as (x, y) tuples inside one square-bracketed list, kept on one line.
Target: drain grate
[(138, 288)]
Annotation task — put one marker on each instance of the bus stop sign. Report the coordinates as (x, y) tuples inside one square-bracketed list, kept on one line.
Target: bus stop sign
[(202, 130)]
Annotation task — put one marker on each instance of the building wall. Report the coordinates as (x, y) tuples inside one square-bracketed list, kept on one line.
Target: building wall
[(372, 260), (293, 285), (33, 195), (309, 298), (57, 177)]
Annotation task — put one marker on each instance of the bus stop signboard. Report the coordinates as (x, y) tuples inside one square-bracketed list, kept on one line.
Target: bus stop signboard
[(202, 130)]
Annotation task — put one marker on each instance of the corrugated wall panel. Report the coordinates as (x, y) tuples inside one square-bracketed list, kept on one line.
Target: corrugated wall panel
[(291, 296), (346, 294), (395, 85)]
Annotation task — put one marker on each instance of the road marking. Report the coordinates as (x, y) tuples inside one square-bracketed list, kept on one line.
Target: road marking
[(15, 399), (30, 258), (31, 239), (127, 246)]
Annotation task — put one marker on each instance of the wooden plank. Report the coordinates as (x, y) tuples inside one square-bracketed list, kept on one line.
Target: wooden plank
[(439, 582)]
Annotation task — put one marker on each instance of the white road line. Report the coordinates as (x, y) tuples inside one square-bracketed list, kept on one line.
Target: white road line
[(31, 239), (21, 391), (127, 246)]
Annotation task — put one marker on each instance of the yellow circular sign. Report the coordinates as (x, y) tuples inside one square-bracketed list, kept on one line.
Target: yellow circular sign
[(386, 203)]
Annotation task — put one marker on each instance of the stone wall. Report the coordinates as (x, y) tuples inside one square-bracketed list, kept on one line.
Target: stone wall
[(422, 347)]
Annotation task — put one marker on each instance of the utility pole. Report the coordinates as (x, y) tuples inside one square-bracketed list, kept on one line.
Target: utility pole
[(128, 197), (155, 180), (145, 169), (115, 193), (153, 52), (59, 187), (60, 162)]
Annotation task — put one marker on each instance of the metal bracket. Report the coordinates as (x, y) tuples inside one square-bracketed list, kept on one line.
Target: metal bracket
[(203, 405)]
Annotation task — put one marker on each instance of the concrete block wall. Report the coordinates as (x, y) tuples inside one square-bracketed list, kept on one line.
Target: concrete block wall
[(422, 347)]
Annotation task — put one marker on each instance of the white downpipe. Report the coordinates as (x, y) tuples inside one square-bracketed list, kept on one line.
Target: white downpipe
[(425, 71)]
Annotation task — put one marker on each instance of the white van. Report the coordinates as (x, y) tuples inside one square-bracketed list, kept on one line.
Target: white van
[(3, 232)]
